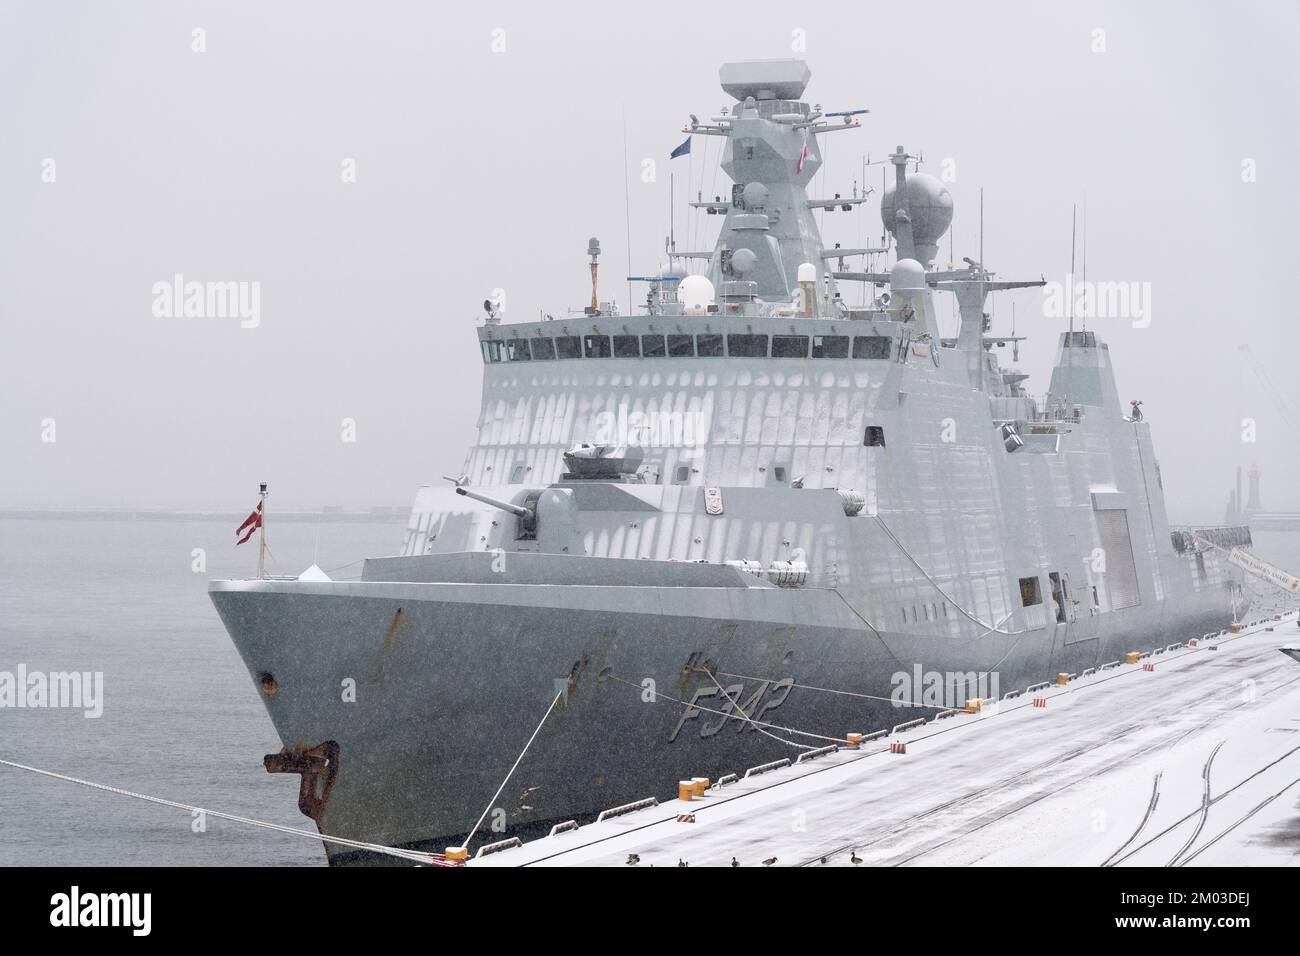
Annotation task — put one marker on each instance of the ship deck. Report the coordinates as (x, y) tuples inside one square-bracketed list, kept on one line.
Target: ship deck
[(1194, 762)]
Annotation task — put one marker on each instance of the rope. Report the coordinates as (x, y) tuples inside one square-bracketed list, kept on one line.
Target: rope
[(885, 644), (989, 628), (729, 716), (736, 704), (431, 858), (514, 767), (845, 693)]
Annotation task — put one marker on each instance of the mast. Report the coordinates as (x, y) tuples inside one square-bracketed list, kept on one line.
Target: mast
[(261, 534), (1069, 307)]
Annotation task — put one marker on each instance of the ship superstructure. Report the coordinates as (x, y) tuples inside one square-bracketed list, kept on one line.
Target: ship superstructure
[(680, 528)]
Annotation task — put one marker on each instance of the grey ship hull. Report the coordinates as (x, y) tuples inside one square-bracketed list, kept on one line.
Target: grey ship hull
[(451, 678), (920, 511)]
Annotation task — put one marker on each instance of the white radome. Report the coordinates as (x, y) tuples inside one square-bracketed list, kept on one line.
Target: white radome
[(929, 205), (908, 275), (696, 295)]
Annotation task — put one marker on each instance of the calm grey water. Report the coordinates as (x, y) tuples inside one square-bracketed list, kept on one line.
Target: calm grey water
[(181, 718)]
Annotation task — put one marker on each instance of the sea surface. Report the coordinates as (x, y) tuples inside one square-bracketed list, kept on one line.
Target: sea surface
[(181, 717)]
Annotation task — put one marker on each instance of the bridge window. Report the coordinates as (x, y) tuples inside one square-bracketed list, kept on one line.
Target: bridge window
[(492, 350), (789, 346), (830, 346), (596, 346), (872, 346), (627, 346), (652, 346), (680, 346), (708, 345), (682, 474), (874, 437), (747, 346), (543, 350), (568, 346), (517, 350)]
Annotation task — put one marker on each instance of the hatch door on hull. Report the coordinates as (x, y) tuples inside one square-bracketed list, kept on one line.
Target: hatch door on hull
[(1120, 576)]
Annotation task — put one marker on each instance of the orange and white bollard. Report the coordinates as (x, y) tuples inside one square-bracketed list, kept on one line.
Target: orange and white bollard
[(700, 785), (1132, 657), (685, 790), (456, 854), (854, 741), (1062, 679), (974, 705)]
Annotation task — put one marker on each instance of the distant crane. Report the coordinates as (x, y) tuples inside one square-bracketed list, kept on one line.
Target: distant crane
[(1271, 390)]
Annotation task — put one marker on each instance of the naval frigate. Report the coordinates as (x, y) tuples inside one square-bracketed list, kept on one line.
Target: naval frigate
[(742, 522)]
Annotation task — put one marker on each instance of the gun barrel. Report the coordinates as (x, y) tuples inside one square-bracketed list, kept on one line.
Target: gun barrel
[(515, 510)]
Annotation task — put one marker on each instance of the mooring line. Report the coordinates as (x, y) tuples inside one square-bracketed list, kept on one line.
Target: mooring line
[(729, 716), (749, 720), (414, 855), (513, 768)]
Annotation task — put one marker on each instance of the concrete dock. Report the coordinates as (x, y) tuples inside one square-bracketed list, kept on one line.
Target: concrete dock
[(1191, 756)]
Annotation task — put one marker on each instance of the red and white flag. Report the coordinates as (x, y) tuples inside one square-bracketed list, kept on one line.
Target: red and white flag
[(803, 154), (251, 524)]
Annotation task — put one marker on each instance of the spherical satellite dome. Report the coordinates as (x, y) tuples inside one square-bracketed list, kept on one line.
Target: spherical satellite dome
[(696, 294), (908, 275), (929, 204)]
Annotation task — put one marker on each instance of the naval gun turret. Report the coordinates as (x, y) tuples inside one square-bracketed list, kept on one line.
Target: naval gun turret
[(527, 513)]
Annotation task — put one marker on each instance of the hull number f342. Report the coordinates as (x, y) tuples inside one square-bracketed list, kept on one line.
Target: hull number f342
[(714, 709)]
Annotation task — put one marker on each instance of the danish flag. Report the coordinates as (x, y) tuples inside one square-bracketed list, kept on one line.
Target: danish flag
[(251, 524)]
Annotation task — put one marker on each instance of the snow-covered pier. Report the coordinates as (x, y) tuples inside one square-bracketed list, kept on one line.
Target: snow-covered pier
[(1190, 756)]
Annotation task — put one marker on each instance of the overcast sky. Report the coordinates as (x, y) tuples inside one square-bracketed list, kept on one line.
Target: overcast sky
[(481, 168)]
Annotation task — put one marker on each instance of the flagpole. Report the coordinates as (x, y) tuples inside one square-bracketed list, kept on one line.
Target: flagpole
[(261, 544)]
